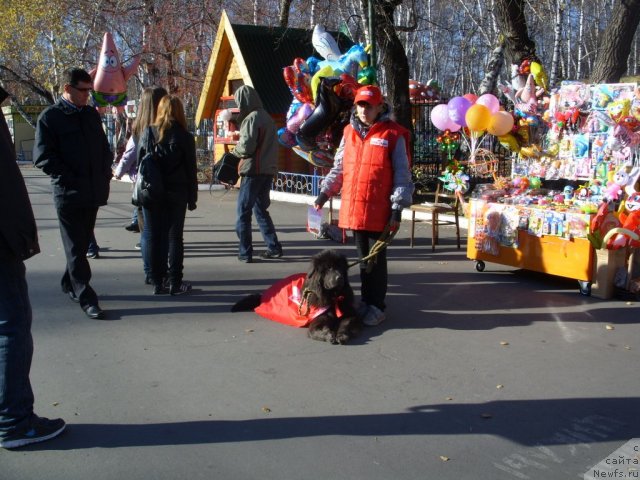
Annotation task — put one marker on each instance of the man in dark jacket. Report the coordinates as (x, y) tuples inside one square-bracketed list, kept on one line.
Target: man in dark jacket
[(72, 148), (19, 426), (258, 152)]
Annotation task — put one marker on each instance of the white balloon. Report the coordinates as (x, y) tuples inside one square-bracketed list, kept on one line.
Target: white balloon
[(324, 43)]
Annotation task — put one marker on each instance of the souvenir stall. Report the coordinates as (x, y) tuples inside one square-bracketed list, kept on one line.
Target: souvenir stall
[(572, 196)]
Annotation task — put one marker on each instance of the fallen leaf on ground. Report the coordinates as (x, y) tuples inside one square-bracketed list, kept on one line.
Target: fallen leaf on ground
[(504, 344), (266, 409), (609, 327), (443, 458), (499, 386)]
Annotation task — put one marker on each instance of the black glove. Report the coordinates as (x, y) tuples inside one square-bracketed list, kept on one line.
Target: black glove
[(396, 216), (321, 200), (191, 206)]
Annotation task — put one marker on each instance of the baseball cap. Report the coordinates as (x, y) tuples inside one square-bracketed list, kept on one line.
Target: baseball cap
[(369, 94)]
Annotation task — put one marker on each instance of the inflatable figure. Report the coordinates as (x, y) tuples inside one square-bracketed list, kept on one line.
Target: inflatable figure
[(110, 77), (324, 43)]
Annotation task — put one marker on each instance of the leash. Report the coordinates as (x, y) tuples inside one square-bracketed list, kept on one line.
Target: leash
[(383, 242)]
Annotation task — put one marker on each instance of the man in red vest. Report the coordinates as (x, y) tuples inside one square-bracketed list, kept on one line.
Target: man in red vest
[(371, 167)]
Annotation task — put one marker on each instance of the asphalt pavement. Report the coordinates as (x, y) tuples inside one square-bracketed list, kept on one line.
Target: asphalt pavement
[(500, 374)]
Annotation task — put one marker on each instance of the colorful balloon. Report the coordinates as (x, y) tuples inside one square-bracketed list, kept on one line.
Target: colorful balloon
[(478, 117), (457, 108), (297, 119), (501, 123), (472, 97), (440, 117), (490, 101)]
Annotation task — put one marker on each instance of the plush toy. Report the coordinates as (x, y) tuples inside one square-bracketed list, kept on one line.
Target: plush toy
[(630, 220), (110, 77)]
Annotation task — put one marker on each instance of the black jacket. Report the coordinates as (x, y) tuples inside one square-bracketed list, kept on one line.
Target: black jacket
[(176, 156), (18, 234), (72, 148)]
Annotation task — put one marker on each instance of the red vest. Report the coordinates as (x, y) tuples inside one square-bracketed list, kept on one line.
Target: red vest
[(368, 176)]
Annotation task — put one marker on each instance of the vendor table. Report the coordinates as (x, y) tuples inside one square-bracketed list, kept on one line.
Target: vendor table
[(555, 255)]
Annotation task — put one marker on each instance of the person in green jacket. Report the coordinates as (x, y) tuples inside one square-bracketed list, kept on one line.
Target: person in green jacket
[(257, 149)]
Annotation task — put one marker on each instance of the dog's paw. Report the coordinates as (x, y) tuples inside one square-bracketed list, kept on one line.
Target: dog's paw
[(322, 335), (342, 339)]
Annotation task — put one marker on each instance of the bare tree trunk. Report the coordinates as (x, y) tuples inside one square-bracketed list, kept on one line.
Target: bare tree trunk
[(511, 18), (611, 62), (283, 19), (553, 77), (580, 43), (393, 59), (496, 60), (312, 16)]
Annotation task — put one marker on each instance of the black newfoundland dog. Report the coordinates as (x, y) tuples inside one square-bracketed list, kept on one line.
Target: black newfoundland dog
[(325, 303)]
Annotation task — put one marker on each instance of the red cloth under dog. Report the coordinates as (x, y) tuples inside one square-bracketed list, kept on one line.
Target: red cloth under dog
[(281, 302)]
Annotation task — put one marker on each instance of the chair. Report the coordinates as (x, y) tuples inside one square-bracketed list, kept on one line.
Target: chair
[(435, 209)]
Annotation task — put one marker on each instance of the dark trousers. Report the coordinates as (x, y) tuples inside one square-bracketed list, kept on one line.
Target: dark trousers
[(16, 347), (254, 197), (373, 275), (164, 228), (76, 229)]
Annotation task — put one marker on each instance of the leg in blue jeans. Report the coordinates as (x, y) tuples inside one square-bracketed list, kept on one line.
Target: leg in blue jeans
[(254, 196), (16, 347), (260, 210)]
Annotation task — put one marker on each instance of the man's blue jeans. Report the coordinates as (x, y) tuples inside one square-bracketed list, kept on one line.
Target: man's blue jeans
[(16, 346), (254, 196)]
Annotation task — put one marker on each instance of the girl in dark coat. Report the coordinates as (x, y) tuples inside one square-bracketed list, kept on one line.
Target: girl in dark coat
[(176, 157)]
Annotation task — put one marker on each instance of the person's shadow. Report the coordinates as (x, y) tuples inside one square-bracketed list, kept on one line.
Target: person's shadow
[(526, 422)]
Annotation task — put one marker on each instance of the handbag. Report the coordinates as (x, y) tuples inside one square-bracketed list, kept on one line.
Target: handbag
[(149, 188), (226, 170)]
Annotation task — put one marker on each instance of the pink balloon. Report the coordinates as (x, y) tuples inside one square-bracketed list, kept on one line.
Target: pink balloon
[(490, 101), (471, 97), (453, 126), (440, 117)]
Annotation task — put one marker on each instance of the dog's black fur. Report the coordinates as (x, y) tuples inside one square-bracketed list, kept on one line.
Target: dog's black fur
[(328, 284)]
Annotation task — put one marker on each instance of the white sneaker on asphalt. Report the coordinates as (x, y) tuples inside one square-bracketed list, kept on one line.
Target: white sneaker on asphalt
[(373, 317)]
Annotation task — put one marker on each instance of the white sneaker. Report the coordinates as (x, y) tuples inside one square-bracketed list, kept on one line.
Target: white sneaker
[(373, 317)]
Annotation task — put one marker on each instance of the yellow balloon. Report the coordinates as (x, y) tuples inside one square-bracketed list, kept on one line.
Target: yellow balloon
[(510, 142), (500, 123), (326, 71), (478, 118)]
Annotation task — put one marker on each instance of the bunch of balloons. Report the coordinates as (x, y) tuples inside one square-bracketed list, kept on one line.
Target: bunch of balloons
[(323, 92), (479, 115), (474, 117)]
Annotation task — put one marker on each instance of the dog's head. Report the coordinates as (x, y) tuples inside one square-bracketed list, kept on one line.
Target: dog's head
[(328, 276)]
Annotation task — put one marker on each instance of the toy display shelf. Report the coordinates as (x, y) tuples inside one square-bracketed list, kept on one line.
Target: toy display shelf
[(565, 257)]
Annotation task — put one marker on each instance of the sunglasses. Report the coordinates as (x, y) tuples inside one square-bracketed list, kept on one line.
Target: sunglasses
[(88, 89)]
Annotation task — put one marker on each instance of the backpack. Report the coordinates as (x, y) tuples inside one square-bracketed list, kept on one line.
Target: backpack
[(149, 187)]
